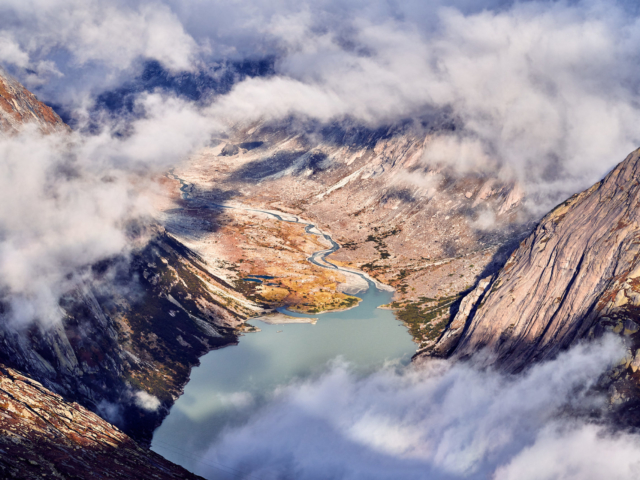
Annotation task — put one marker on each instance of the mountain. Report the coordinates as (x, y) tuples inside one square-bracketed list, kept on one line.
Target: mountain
[(18, 106), (131, 331), (43, 435), (575, 277), (408, 220), (121, 340)]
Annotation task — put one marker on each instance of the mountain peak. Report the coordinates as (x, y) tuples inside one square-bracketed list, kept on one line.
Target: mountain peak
[(18, 106)]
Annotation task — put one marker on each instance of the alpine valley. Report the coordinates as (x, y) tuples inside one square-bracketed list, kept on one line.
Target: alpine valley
[(283, 220)]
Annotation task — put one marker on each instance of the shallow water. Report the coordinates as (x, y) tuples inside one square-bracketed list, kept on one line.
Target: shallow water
[(233, 382)]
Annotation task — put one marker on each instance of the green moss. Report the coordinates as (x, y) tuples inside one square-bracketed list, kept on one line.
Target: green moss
[(421, 317), (378, 239)]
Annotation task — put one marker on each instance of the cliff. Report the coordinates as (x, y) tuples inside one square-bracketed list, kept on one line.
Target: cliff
[(576, 276), (133, 327), (133, 331)]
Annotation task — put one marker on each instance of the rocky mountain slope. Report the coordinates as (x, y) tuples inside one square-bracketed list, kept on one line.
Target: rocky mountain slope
[(129, 338), (411, 222), (576, 276), (132, 330), (44, 436), (18, 106)]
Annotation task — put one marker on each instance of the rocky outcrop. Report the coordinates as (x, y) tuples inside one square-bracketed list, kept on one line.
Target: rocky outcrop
[(18, 106), (44, 436), (133, 328), (577, 275), (467, 309)]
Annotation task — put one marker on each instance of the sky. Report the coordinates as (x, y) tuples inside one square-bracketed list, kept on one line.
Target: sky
[(542, 92)]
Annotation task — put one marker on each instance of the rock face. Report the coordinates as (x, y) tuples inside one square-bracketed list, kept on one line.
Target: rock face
[(44, 436), (18, 106), (576, 275), (132, 331), (142, 333)]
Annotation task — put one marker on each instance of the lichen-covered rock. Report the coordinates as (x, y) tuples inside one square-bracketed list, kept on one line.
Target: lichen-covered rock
[(18, 106)]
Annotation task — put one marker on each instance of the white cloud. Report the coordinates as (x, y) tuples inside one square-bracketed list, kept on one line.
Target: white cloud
[(544, 91), (77, 47), (442, 421), (66, 200), (10, 51), (547, 90), (576, 452), (146, 401)]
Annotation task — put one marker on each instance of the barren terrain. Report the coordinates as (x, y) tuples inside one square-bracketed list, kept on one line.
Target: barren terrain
[(410, 224)]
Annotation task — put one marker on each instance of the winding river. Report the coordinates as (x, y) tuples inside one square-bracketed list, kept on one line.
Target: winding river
[(233, 383)]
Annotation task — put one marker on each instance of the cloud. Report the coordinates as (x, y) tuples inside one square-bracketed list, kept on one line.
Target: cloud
[(441, 421), (67, 200), (486, 220), (545, 90), (73, 48), (55, 219), (146, 401), (542, 92), (577, 452), (112, 412)]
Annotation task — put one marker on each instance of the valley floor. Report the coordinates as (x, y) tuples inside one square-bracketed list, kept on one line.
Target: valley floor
[(266, 260)]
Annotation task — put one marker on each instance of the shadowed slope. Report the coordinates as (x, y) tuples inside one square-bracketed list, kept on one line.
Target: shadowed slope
[(576, 275)]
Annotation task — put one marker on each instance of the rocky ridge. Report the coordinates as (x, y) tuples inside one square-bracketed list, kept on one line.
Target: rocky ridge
[(44, 436), (137, 336), (18, 107), (131, 331), (135, 328), (576, 277)]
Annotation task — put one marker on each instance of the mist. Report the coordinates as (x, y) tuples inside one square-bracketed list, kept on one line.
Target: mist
[(541, 92), (544, 92), (69, 200), (440, 421)]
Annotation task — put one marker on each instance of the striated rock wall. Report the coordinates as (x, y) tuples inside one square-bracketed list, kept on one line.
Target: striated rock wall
[(44, 436), (576, 275)]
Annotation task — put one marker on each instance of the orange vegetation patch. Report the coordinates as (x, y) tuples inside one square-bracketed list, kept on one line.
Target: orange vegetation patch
[(259, 245)]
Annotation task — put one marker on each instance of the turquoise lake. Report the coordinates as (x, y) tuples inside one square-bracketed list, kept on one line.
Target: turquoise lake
[(234, 382)]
